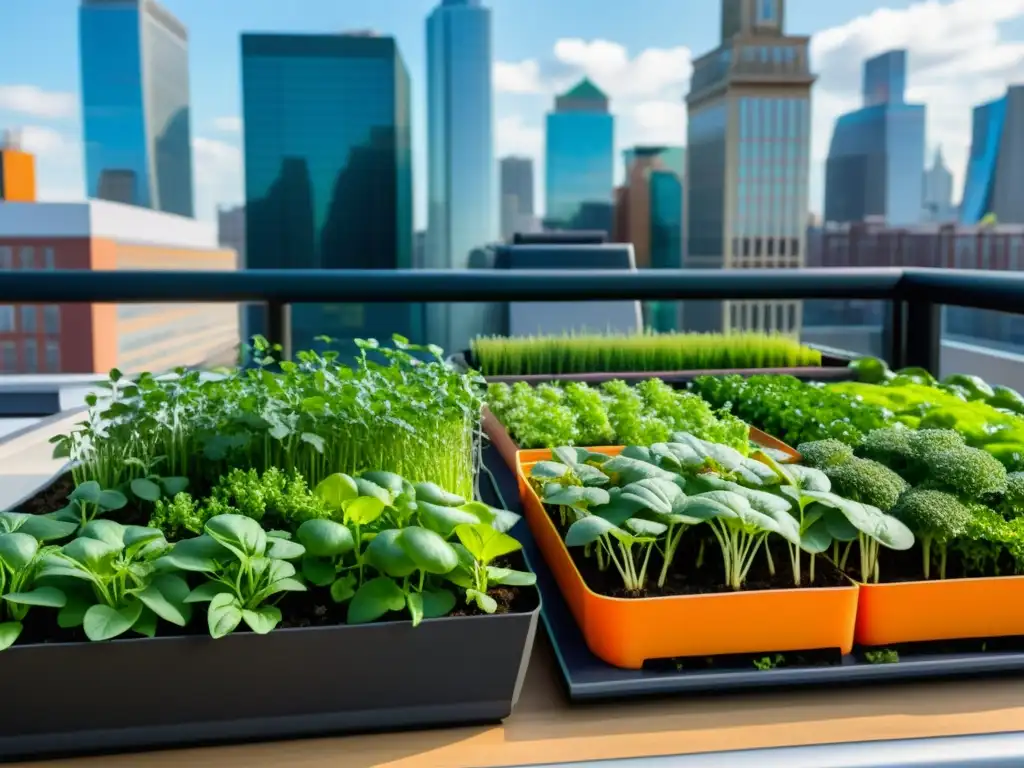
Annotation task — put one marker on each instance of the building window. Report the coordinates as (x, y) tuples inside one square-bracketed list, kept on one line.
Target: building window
[(766, 12), (8, 357), (28, 257), (49, 258), (28, 319), (31, 350), (6, 257), (51, 319), (6, 318), (53, 356)]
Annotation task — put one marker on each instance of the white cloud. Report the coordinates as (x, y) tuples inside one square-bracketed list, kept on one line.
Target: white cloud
[(42, 140), (218, 175), (515, 137), (957, 59), (34, 101), (228, 124)]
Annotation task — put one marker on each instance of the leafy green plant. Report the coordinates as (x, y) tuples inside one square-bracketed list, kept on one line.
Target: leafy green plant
[(111, 582), (480, 544), (648, 351), (882, 656), (151, 486), (246, 568), (769, 662), (88, 501)]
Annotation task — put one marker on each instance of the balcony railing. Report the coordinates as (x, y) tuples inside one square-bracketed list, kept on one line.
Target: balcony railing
[(912, 329)]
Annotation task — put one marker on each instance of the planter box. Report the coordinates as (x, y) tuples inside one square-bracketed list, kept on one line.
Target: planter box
[(950, 609), (627, 632), (174, 691), (508, 448), (832, 369)]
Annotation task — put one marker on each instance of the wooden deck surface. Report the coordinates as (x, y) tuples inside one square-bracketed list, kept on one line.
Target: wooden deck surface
[(545, 729)]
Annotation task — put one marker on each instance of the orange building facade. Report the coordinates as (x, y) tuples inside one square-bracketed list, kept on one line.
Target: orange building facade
[(93, 338)]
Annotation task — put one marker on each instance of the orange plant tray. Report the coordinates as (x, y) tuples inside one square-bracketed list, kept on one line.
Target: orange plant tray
[(625, 632), (948, 609)]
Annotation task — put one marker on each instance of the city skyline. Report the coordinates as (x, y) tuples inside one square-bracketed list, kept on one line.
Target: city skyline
[(960, 58)]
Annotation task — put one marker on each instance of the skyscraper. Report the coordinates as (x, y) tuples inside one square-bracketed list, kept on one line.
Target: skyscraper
[(328, 170), (876, 158), (580, 162), (516, 196), (748, 152), (135, 105), (461, 211), (938, 191), (995, 170)]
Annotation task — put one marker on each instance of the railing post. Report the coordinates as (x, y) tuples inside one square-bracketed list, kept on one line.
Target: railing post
[(923, 335), (279, 328), (893, 333)]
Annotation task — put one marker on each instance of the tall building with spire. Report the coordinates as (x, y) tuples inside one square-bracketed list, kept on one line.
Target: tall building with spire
[(462, 214), (748, 156), (938, 191)]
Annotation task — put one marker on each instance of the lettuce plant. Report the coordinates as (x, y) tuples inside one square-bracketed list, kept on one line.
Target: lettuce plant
[(245, 566), (112, 583)]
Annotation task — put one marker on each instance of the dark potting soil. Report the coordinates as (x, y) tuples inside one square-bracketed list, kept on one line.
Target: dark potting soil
[(685, 578), (313, 608)]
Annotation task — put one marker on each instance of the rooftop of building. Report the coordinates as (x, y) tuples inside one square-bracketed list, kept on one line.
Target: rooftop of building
[(584, 90), (104, 219)]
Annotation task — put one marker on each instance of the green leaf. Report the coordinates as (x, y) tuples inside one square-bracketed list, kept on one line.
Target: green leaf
[(166, 596), (658, 496), (9, 631), (374, 599), (509, 577), (146, 489), (283, 549), (48, 597), (314, 440), (88, 492), (869, 520), (676, 455), (46, 528), (808, 478), (484, 602), (437, 603), (325, 538), (223, 615), (94, 554), (106, 531), (101, 622), (318, 571), (386, 555), (499, 519), (624, 470), (263, 619), (17, 550), (549, 470), (576, 496), (414, 601), (389, 481), (173, 486), (428, 550), (73, 614), (336, 489), (240, 534), (344, 588), (587, 530), (435, 494), (112, 500), (206, 591), (200, 554), (816, 538), (443, 519), (374, 491), (838, 527), (283, 585), (485, 543), (648, 529), (146, 625), (364, 510)]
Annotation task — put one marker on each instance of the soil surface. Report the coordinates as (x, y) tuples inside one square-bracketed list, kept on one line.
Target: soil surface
[(313, 608)]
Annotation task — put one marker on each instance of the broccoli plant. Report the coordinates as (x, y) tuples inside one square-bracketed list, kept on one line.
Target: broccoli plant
[(1012, 505), (936, 518), (110, 577), (822, 454), (246, 568), (867, 481)]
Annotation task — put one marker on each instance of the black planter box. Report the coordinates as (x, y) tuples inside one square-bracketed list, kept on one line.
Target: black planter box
[(179, 691)]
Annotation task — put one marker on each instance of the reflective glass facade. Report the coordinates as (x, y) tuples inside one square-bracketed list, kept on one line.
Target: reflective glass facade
[(980, 182), (580, 169), (328, 171), (706, 177), (462, 205), (135, 105), (666, 190), (885, 78)]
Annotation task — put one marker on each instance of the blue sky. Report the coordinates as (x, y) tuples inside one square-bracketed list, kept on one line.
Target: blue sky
[(962, 52)]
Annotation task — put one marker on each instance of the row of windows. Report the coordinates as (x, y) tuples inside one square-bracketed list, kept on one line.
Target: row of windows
[(29, 356), (759, 159), (770, 54), (774, 118), (763, 316), (28, 257), (29, 319), (766, 247)]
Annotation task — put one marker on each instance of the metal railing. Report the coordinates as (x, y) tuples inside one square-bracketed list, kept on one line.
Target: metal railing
[(913, 327)]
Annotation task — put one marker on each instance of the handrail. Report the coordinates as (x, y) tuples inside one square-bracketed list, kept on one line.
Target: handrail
[(913, 327)]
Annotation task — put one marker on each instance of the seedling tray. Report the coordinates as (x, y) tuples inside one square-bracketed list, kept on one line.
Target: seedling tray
[(587, 678), (186, 690)]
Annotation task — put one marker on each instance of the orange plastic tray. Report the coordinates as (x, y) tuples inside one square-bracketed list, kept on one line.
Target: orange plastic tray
[(626, 632), (949, 609)]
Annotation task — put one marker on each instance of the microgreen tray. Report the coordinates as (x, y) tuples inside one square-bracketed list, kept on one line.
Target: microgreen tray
[(589, 678)]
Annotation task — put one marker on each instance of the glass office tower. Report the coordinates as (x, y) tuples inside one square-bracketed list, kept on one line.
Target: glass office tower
[(579, 177), (995, 170), (462, 214), (135, 105), (876, 159), (328, 171)]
